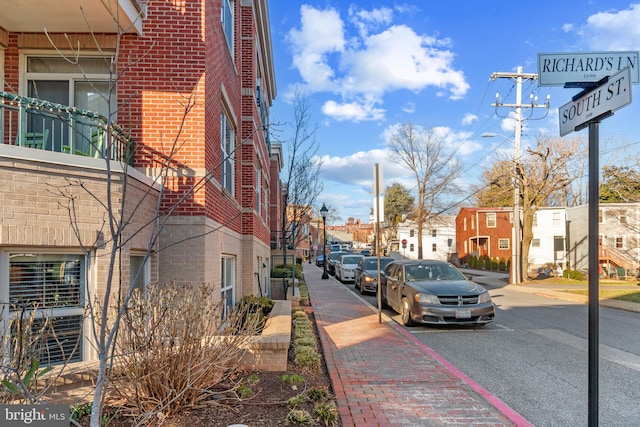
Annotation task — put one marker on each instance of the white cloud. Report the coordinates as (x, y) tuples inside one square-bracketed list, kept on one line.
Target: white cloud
[(352, 111), (613, 30), (469, 118), (377, 59)]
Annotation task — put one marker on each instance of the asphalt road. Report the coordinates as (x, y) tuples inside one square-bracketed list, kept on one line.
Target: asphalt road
[(535, 357)]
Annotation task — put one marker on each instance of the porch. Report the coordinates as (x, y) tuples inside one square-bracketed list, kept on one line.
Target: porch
[(42, 125)]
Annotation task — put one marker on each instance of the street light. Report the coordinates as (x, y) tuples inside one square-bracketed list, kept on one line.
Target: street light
[(516, 250), (323, 213)]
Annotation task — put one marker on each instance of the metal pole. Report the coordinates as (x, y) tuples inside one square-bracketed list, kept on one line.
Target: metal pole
[(324, 249), (594, 170), (517, 246), (378, 289)]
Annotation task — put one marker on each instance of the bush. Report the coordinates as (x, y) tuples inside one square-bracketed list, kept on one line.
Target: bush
[(573, 274), (284, 270), (502, 264)]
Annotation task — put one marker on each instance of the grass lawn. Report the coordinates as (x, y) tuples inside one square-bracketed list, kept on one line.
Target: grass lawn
[(630, 295)]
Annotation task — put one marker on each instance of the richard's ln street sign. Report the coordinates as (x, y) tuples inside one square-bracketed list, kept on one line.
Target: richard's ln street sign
[(596, 102), (581, 68)]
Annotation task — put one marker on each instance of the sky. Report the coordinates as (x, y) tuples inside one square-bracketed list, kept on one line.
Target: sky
[(365, 68)]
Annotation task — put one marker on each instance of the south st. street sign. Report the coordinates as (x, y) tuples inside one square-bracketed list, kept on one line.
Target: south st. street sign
[(611, 95), (578, 69)]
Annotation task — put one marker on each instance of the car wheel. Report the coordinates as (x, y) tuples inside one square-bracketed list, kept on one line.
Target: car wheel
[(361, 289), (406, 313)]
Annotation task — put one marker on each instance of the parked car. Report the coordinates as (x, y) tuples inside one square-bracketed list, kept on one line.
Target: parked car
[(366, 274), (365, 252), (346, 267), (331, 262), (434, 292), (320, 260)]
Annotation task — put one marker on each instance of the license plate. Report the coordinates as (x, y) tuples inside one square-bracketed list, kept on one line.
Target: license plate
[(463, 314)]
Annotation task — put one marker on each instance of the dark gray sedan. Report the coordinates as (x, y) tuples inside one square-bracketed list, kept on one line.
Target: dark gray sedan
[(434, 292), (366, 278)]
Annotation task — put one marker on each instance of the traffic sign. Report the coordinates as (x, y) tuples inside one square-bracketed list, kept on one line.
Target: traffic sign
[(579, 69), (404, 243), (596, 102)]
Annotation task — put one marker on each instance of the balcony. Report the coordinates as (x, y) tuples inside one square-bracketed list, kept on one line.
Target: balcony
[(42, 125)]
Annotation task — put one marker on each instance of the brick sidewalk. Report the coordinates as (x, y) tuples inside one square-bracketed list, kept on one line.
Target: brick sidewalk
[(383, 376)]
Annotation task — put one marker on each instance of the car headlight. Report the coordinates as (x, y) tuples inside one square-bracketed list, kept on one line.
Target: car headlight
[(427, 299), (484, 298), (368, 279)]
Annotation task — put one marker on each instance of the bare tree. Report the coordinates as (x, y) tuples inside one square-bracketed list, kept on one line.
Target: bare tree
[(545, 171), (434, 168), (301, 184), (398, 204)]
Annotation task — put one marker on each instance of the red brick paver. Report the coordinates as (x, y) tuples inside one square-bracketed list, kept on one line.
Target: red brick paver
[(382, 376)]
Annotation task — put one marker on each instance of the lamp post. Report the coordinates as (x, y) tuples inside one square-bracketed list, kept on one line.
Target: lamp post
[(516, 249), (323, 213)]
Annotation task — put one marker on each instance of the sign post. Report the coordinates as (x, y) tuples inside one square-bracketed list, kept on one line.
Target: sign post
[(607, 78)]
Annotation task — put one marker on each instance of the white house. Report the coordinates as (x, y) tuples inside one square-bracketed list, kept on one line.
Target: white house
[(548, 246), (438, 238)]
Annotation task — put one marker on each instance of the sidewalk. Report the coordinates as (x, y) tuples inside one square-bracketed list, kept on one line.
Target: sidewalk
[(383, 376)]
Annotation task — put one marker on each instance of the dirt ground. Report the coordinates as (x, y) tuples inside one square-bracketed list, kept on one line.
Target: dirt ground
[(265, 406)]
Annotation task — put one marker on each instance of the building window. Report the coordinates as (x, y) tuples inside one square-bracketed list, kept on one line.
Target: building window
[(503, 243), (84, 85), (227, 146), (228, 281), (411, 247), (53, 285), (623, 217), (535, 219), (466, 247), (412, 233), (227, 22), (473, 225), (491, 220), (557, 219), (259, 190), (464, 224), (535, 243), (434, 233), (619, 242), (139, 272), (600, 217), (434, 247)]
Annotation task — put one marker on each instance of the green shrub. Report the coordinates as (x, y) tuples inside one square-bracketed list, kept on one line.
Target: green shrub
[(299, 417), (573, 274), (307, 358), (327, 413), (318, 394)]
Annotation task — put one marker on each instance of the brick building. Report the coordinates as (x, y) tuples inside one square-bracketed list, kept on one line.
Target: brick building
[(166, 107), (484, 232)]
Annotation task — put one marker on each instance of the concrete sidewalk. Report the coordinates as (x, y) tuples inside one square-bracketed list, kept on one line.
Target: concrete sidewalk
[(383, 376)]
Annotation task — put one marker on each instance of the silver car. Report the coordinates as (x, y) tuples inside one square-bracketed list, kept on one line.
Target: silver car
[(434, 292), (346, 267), (367, 273)]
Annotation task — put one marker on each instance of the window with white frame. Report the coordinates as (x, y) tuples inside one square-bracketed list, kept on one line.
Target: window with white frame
[(228, 284), (503, 244), (619, 242), (52, 285), (139, 271), (557, 219), (227, 18), (535, 219), (412, 233), (411, 247), (623, 217), (464, 224), (84, 85), (600, 217), (473, 223), (434, 247), (227, 147), (491, 220), (434, 233), (259, 190), (535, 243)]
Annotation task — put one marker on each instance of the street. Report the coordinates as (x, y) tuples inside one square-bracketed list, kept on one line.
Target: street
[(534, 357)]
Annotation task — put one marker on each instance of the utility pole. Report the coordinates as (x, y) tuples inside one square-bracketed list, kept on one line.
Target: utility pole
[(519, 76)]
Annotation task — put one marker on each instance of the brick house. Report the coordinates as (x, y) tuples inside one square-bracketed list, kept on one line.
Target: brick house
[(195, 81), (484, 232)]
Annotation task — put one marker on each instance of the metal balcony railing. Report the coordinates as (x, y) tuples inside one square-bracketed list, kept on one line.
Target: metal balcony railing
[(43, 125)]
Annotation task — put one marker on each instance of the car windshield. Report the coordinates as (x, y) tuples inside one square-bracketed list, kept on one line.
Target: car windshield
[(419, 272), (372, 264), (350, 259), (334, 256)]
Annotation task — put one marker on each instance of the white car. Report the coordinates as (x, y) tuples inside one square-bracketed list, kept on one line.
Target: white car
[(346, 267)]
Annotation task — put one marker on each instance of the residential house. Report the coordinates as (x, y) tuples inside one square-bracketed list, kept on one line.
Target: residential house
[(484, 232), (438, 238), (618, 238), (167, 106), (547, 247)]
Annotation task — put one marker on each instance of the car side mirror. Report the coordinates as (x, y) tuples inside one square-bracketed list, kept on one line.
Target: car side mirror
[(468, 277)]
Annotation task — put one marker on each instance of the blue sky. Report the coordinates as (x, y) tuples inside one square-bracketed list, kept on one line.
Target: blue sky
[(366, 67)]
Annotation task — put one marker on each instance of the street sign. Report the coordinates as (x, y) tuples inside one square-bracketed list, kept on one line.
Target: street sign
[(581, 68), (404, 243), (594, 103)]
